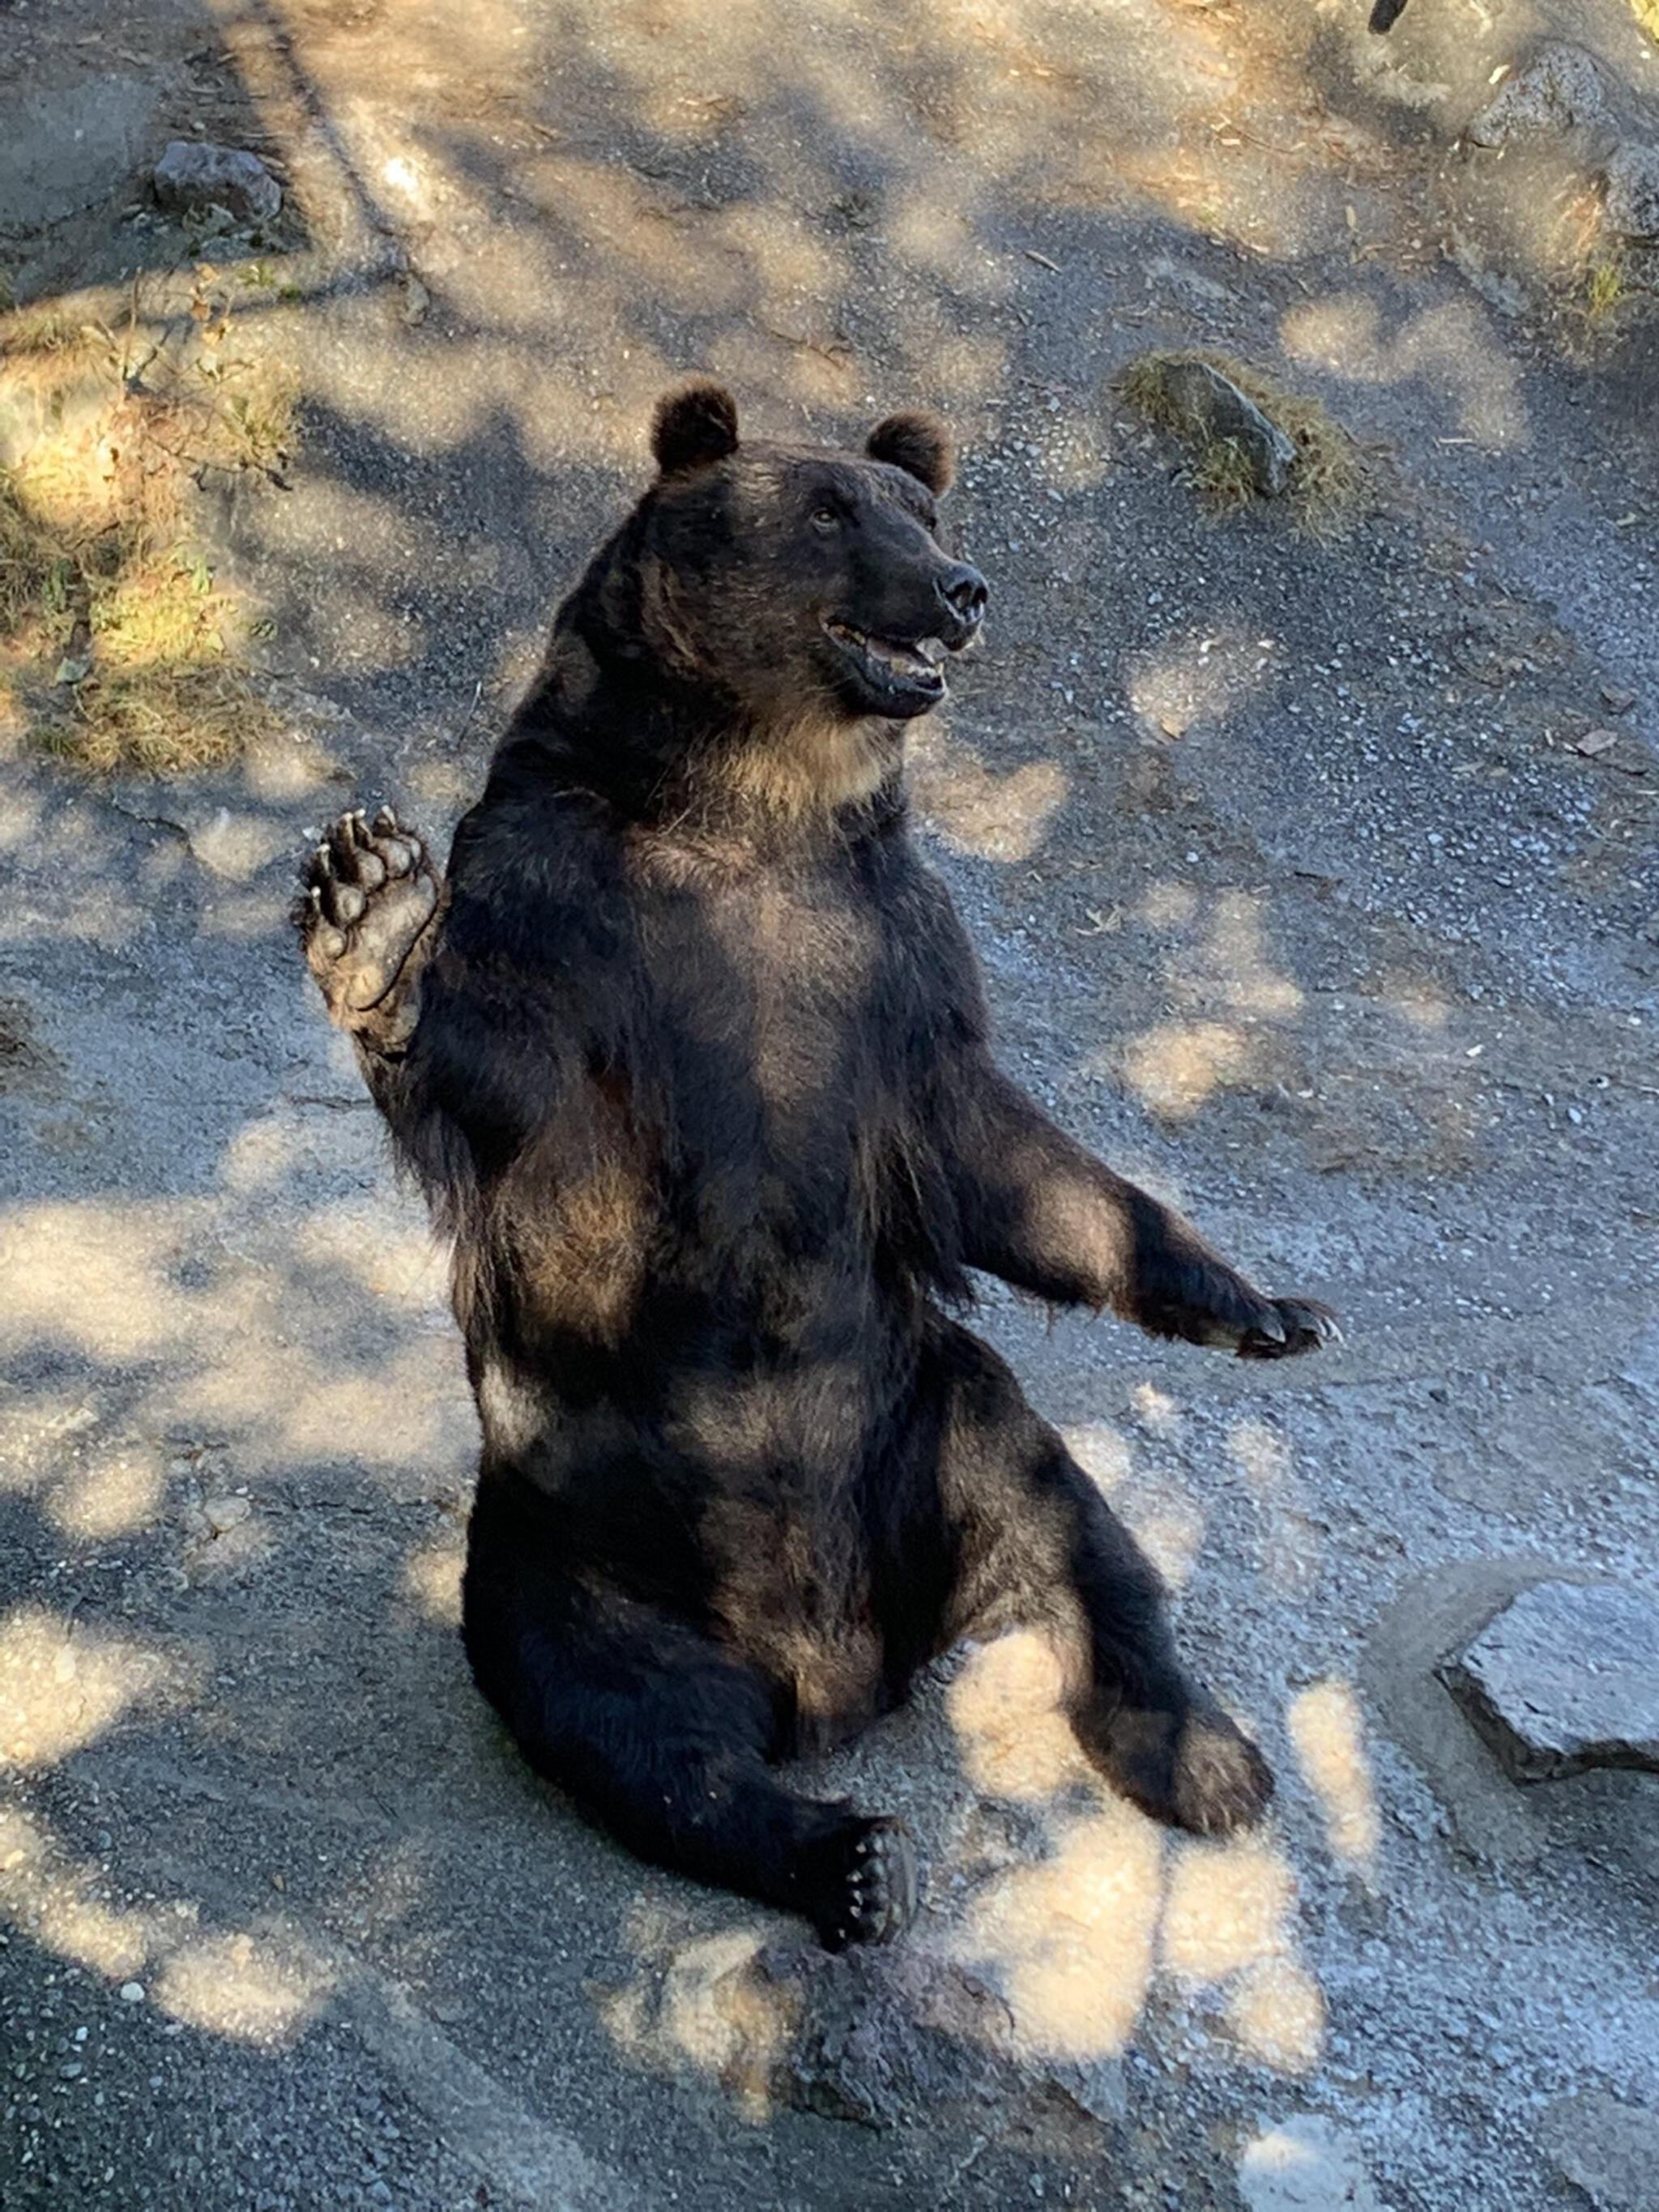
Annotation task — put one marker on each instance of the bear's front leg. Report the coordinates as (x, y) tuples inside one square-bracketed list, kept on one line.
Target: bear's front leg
[(365, 918), (1047, 1216), (1177, 1287)]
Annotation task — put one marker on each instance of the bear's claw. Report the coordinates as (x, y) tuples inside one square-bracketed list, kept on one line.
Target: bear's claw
[(874, 1898), (1293, 1326)]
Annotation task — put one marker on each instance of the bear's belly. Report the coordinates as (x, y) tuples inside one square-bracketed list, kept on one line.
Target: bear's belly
[(736, 1496), (789, 1592)]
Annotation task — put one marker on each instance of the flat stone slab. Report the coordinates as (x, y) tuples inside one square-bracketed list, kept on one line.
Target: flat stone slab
[(1565, 1678), (1605, 2147), (1304, 2165), (75, 148)]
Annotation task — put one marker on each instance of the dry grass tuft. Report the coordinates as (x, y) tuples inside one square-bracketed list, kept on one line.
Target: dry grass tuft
[(1606, 291), (1646, 13), (1328, 477), (118, 650)]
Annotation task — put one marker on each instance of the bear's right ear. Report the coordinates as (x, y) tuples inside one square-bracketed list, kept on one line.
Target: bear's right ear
[(920, 445), (694, 427)]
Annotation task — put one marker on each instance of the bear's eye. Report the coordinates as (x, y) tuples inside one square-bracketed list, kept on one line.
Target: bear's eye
[(825, 518)]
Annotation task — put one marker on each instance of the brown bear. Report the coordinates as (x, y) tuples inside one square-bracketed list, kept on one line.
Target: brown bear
[(690, 1053)]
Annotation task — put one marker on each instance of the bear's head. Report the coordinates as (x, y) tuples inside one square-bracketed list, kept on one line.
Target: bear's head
[(805, 592)]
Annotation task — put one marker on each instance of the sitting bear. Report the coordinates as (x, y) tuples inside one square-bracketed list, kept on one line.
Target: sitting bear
[(689, 1053)]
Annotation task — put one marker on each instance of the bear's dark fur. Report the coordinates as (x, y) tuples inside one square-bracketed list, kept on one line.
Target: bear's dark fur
[(692, 1064)]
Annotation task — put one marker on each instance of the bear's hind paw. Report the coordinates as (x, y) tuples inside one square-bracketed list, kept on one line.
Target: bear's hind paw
[(870, 1896), (1192, 1769)]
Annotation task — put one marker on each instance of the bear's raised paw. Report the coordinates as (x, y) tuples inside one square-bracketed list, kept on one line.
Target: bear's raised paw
[(369, 894)]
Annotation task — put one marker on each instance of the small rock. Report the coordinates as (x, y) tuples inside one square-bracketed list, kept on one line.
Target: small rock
[(1095, 2085), (1560, 89), (192, 177), (131, 1993), (1616, 699), (1162, 269), (890, 2040), (1304, 2165), (1212, 407), (1632, 179), (1565, 1678), (1596, 741), (1609, 2150), (222, 1513)]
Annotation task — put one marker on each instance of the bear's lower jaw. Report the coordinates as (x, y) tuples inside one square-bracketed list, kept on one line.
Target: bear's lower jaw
[(896, 679)]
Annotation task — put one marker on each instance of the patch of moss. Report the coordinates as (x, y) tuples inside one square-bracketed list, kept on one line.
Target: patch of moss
[(1605, 290)]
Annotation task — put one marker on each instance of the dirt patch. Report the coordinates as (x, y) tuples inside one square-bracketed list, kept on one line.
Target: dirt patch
[(23, 1063), (118, 646)]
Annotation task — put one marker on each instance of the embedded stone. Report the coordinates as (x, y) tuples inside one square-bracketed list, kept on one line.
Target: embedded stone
[(1211, 407), (1632, 207), (1560, 89), (1565, 1678), (191, 176)]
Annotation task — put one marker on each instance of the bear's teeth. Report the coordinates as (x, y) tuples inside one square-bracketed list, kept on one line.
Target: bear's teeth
[(899, 659), (905, 658)]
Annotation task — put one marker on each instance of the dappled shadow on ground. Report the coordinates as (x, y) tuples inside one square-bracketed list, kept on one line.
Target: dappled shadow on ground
[(1206, 791)]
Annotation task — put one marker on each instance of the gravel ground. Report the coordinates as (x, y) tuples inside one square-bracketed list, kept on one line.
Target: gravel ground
[(1297, 899)]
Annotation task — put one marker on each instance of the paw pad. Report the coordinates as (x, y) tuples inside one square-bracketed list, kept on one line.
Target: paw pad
[(369, 895)]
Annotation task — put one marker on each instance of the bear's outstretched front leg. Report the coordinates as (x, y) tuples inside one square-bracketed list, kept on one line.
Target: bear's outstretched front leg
[(364, 917), (1047, 1216), (1036, 1545)]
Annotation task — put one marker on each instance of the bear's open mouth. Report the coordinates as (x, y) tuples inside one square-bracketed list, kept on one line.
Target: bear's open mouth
[(889, 664)]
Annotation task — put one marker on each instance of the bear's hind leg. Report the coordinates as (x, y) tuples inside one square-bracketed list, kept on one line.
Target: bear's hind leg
[(1036, 1544), (662, 1738)]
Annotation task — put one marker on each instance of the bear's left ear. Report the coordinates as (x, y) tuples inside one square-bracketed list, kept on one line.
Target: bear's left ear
[(920, 445), (694, 427)]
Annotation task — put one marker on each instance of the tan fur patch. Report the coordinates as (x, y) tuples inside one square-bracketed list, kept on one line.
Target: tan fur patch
[(589, 1253), (818, 763)]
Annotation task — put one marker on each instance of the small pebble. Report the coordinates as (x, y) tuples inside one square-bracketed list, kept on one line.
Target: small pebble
[(131, 1993)]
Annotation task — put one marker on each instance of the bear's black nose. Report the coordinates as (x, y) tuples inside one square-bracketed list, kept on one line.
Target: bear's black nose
[(965, 592)]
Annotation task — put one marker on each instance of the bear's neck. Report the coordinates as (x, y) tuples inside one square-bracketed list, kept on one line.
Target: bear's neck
[(666, 753)]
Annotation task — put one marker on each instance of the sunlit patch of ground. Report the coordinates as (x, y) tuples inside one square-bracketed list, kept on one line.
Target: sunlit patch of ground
[(119, 647), (261, 1985)]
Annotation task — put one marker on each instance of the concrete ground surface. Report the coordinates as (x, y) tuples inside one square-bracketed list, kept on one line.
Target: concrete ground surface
[(1297, 901)]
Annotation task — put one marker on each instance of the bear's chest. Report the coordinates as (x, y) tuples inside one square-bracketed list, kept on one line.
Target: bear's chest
[(786, 1008)]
